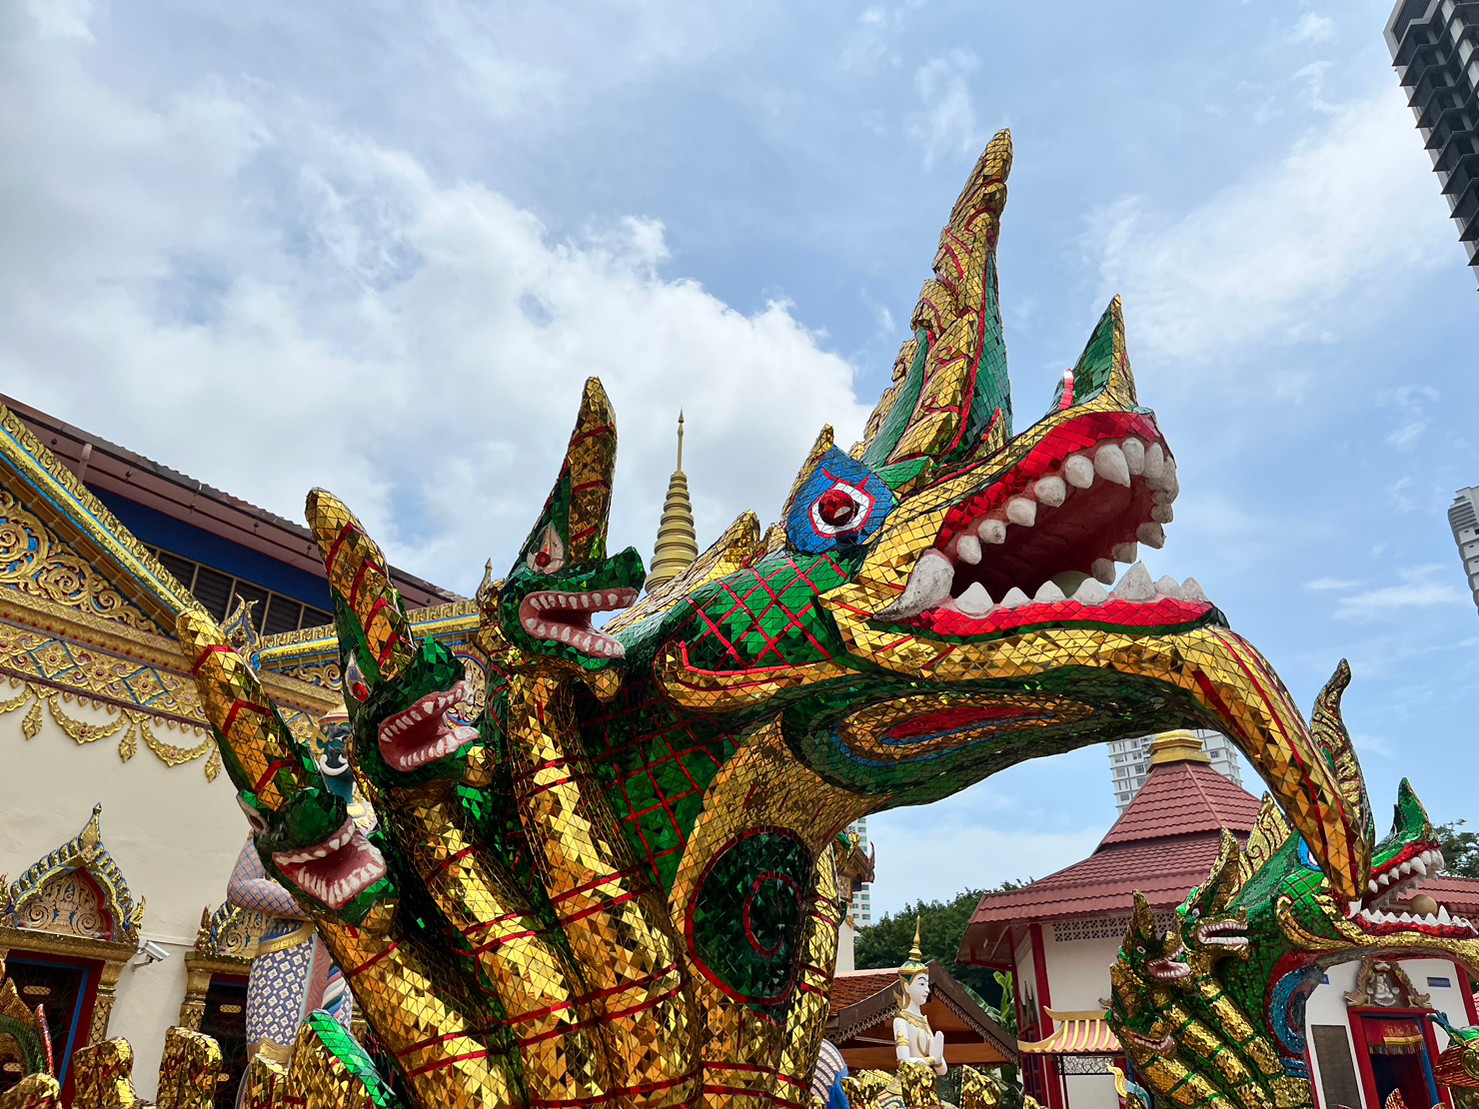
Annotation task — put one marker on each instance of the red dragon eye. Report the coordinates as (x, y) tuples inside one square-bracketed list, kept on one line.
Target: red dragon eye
[(541, 559), (836, 507)]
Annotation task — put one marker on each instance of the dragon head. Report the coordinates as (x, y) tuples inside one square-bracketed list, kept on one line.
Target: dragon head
[(301, 825), (1150, 967), (1268, 919), (403, 694), (539, 616), (934, 606)]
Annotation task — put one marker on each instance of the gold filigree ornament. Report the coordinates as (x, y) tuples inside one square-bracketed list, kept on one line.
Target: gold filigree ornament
[(131, 726), (35, 562)]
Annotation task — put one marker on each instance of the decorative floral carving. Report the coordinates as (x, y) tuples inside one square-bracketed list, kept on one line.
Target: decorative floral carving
[(35, 562)]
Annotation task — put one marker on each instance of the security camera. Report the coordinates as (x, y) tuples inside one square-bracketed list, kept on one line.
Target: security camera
[(153, 952)]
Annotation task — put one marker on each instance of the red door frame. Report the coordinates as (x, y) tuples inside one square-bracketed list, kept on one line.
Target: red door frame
[(1363, 1056), (82, 1020)]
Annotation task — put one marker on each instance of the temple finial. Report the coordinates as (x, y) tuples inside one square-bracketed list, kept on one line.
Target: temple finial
[(677, 540)]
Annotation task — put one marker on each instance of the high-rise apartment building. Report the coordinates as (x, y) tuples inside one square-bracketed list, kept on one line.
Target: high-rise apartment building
[(1463, 518), (1129, 762), (1433, 45), (862, 908)]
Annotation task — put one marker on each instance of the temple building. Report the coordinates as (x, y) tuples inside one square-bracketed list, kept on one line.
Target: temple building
[(1367, 1023), (119, 829)]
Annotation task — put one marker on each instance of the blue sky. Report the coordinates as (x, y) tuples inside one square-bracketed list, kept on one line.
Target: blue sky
[(378, 246)]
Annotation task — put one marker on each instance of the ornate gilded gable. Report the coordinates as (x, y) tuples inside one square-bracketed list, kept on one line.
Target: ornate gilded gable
[(230, 933), (35, 562), (76, 890), (62, 545)]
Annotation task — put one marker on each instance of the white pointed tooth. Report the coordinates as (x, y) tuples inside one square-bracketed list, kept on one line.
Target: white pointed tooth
[(1371, 885), (1125, 552), (1407, 918), (1169, 586), (1022, 511), (992, 531), (929, 584), (1164, 497), (1104, 570), (1443, 917), (1162, 513), (1050, 490), (1166, 480), (1014, 598), (1136, 584), (968, 549), (1419, 866), (541, 630), (1191, 590), (1134, 454), (1078, 471), (1152, 535), (1090, 593), (1110, 464), (1155, 462), (975, 601), (1048, 592)]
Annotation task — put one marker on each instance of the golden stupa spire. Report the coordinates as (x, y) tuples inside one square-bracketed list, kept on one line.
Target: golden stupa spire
[(677, 542)]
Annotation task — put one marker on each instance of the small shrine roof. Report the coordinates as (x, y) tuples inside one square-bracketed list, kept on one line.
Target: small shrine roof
[(1076, 1034), (1162, 845), (862, 999)]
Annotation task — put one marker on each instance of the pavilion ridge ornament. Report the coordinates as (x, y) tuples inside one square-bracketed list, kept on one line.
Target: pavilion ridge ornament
[(615, 885), (1211, 1011)]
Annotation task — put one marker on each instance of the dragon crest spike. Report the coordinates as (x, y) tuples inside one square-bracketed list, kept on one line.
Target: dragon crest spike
[(575, 518), (1103, 369), (375, 637), (951, 399), (1328, 728)]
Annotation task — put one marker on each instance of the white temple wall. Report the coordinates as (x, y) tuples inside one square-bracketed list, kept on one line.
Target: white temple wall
[(174, 836), (1078, 970), (1327, 1005)]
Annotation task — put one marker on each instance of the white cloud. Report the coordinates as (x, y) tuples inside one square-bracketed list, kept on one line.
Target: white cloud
[(1301, 249), (1408, 405), (1420, 588), (946, 121), (1321, 584), (1313, 28), (228, 283)]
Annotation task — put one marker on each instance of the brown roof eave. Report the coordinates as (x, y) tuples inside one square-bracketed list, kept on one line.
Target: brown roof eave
[(111, 468)]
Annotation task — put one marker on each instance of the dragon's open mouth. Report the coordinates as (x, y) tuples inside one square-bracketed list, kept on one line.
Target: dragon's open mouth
[(1229, 933), (337, 870), (561, 617), (415, 736), (1051, 531), (1381, 913)]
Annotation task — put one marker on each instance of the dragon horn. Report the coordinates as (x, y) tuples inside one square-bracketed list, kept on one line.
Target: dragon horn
[(263, 759), (951, 398), (1330, 733), (368, 612), (575, 517)]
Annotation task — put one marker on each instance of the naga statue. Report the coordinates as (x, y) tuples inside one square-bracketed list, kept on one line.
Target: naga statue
[(614, 884), (1211, 1012)]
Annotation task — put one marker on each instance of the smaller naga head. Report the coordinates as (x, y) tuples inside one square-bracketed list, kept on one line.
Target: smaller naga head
[(300, 823), (1210, 926), (1150, 971), (540, 616), (403, 695)]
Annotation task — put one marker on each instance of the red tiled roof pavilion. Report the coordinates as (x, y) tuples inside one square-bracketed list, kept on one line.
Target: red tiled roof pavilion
[(1162, 845)]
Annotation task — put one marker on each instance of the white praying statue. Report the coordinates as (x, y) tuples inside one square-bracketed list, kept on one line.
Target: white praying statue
[(912, 1036)]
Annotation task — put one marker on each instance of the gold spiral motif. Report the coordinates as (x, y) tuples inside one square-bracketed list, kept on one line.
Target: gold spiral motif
[(34, 562)]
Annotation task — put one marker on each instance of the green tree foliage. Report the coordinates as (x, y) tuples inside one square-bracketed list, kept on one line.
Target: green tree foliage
[(942, 927), (1460, 849)]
